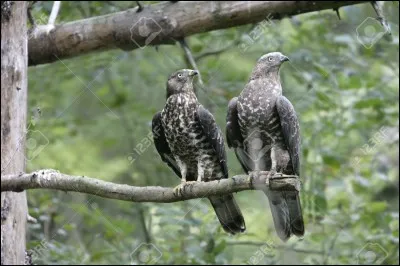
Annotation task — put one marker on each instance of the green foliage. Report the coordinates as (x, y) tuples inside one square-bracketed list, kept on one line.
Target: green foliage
[(95, 117)]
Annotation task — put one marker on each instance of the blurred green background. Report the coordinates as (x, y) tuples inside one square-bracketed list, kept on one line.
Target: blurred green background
[(93, 115)]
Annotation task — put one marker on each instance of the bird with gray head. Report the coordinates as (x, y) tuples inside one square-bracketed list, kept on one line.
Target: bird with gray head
[(263, 129), (192, 145)]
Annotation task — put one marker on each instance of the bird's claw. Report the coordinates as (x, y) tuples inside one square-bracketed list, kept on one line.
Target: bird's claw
[(254, 174), (271, 174), (178, 190)]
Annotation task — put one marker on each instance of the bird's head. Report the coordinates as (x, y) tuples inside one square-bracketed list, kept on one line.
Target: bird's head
[(181, 81), (269, 63)]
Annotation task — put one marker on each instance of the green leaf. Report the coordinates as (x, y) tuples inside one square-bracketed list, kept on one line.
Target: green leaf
[(332, 161), (377, 207), (368, 103), (220, 247), (323, 97)]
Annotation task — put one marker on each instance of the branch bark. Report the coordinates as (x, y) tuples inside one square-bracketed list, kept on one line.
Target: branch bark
[(159, 23), (272, 246), (14, 93), (52, 179)]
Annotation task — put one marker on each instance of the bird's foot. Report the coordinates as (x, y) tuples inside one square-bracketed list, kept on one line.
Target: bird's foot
[(256, 178), (271, 174), (254, 174), (178, 190)]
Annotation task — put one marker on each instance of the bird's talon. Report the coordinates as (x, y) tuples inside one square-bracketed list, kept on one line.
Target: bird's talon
[(254, 174), (178, 190), (270, 175)]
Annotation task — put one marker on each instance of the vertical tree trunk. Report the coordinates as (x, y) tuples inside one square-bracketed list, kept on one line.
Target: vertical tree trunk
[(14, 66)]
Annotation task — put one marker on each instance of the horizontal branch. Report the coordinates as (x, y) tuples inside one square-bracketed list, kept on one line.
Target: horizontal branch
[(273, 246), (52, 179), (160, 23)]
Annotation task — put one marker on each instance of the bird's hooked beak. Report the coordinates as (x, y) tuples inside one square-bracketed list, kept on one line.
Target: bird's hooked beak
[(193, 73), (284, 58)]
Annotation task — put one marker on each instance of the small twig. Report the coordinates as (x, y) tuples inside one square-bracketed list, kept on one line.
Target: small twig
[(216, 52), (378, 7), (31, 219), (54, 12), (280, 247), (337, 12), (190, 58), (140, 7), (29, 12), (333, 242)]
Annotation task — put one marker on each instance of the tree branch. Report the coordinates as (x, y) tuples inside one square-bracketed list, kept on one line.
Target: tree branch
[(217, 52), (54, 12), (279, 247), (159, 24), (52, 179), (191, 60), (378, 7)]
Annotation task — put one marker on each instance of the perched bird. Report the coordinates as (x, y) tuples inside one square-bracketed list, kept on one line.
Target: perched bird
[(190, 142), (263, 129)]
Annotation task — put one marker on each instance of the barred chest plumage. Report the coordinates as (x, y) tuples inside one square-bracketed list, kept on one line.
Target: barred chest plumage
[(257, 112), (178, 118), (185, 136)]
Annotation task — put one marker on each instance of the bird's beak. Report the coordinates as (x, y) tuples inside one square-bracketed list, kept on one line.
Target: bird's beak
[(284, 58), (193, 73)]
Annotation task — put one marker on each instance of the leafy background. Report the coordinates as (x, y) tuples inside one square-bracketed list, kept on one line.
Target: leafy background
[(90, 113)]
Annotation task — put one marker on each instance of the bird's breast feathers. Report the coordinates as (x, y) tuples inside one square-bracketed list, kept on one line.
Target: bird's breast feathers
[(257, 109), (182, 131)]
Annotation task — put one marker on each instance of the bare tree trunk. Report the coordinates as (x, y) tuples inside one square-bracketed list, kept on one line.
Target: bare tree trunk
[(14, 66)]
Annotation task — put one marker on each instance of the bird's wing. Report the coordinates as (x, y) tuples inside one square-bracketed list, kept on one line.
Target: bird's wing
[(234, 136), (291, 134), (213, 135), (161, 144), (291, 130)]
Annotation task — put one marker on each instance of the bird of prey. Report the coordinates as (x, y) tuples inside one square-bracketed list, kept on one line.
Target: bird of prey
[(263, 129), (190, 142)]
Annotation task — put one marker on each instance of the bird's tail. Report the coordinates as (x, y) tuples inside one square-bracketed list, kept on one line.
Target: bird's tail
[(286, 213), (228, 213)]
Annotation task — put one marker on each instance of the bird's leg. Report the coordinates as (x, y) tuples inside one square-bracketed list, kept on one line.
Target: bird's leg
[(178, 190), (183, 167), (200, 170), (256, 169), (272, 171)]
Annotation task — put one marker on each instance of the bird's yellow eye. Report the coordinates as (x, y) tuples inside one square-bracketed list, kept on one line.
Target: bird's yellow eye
[(270, 59)]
